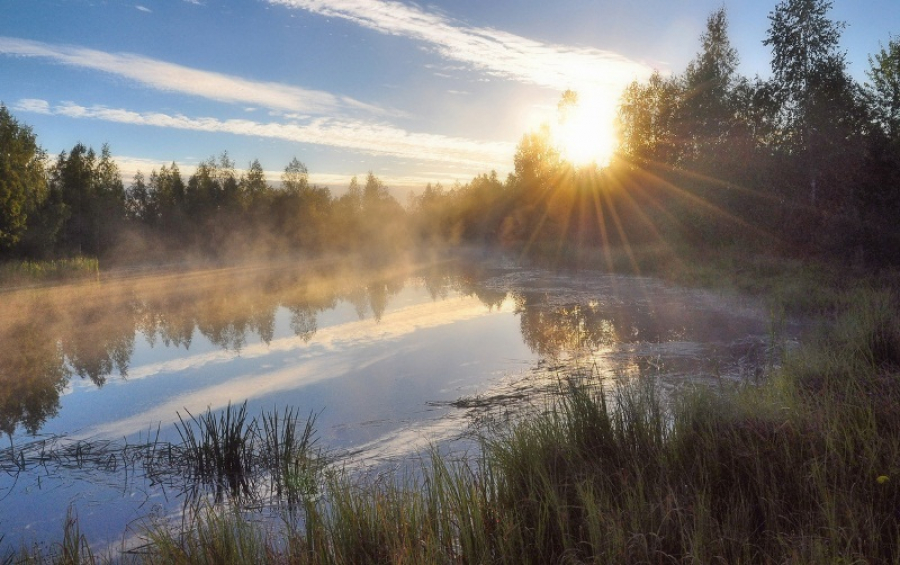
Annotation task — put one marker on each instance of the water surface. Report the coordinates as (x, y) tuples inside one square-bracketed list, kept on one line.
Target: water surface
[(390, 361)]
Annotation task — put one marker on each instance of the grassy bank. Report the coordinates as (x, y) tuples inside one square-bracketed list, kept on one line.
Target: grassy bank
[(797, 286), (802, 469), (25, 273)]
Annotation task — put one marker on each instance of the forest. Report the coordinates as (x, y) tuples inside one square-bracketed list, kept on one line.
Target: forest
[(804, 163)]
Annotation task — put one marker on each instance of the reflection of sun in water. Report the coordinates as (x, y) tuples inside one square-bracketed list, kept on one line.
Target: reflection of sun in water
[(584, 133)]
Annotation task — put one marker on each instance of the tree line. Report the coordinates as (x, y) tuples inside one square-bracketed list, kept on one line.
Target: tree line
[(807, 161), (79, 205), (804, 162)]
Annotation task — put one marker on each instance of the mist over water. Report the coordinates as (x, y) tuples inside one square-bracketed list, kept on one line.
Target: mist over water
[(391, 361)]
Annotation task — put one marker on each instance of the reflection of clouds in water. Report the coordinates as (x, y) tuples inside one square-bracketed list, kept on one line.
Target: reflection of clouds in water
[(334, 351), (330, 339)]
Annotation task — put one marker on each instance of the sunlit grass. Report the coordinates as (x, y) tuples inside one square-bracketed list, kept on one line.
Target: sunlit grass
[(16, 273)]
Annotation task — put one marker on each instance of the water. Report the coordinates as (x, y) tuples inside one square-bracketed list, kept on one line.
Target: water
[(391, 362)]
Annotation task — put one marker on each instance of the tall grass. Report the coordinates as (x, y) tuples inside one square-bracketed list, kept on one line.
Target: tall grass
[(804, 469), (289, 453), (232, 453), (218, 448)]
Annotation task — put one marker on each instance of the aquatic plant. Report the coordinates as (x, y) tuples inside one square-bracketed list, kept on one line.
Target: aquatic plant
[(288, 452), (231, 452), (218, 447)]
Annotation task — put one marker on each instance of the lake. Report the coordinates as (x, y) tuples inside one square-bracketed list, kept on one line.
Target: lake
[(389, 361)]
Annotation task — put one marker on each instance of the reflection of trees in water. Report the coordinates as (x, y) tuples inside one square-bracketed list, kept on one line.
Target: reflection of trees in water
[(101, 341), (304, 308), (49, 335), (442, 278), (32, 376), (373, 296), (552, 331), (90, 330)]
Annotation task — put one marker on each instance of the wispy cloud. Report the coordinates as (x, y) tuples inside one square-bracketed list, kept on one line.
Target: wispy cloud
[(375, 139), (160, 75), (143, 8), (489, 50), (338, 182)]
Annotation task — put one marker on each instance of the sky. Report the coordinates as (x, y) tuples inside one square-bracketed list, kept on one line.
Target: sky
[(414, 92)]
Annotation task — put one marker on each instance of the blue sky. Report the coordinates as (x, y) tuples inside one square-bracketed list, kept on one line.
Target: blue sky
[(415, 92)]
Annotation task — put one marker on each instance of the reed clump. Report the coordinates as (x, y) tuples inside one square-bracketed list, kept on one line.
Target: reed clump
[(231, 453)]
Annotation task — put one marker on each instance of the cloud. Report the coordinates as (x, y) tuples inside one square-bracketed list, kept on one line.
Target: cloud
[(338, 182), (160, 75), (143, 8), (374, 139), (489, 50), (33, 105)]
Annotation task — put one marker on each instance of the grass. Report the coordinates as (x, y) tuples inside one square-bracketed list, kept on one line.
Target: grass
[(18, 273), (230, 453)]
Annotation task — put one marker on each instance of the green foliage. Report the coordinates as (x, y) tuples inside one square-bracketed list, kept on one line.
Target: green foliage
[(23, 186), (884, 90), (15, 273)]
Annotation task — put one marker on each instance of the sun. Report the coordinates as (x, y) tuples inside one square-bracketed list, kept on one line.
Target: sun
[(585, 132)]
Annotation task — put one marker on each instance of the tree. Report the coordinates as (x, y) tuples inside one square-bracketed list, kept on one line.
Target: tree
[(168, 191), (110, 206), (819, 108), (884, 89), (374, 193), (203, 193), (353, 198), (23, 184), (804, 46), (254, 184), (879, 193), (73, 176), (295, 178), (647, 120), (706, 114), (138, 203), (231, 195), (537, 161)]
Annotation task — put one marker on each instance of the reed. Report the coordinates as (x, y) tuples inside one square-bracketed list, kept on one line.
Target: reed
[(232, 453), (289, 453), (218, 448)]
